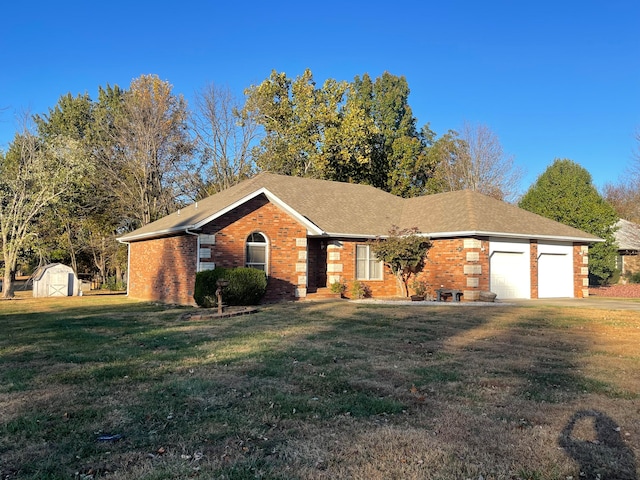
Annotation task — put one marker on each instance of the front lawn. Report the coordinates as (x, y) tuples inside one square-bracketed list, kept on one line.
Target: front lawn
[(106, 387)]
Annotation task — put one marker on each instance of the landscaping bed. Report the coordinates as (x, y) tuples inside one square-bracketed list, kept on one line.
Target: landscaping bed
[(630, 290)]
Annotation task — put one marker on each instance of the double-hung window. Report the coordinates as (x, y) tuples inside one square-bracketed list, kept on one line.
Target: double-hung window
[(368, 267), (256, 252)]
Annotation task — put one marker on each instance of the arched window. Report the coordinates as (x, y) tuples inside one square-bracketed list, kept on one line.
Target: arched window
[(257, 251)]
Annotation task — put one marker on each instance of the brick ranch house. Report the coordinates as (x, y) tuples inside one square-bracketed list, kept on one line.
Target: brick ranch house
[(307, 234)]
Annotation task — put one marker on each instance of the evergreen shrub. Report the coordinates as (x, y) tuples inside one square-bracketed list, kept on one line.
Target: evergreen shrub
[(246, 286)]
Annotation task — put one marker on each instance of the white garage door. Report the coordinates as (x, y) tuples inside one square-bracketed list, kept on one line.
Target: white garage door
[(555, 271), (509, 274)]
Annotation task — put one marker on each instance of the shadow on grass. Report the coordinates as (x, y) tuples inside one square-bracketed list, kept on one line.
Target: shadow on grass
[(605, 456)]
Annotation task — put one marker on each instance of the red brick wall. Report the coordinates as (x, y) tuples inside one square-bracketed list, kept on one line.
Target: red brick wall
[(163, 269), (454, 263), (387, 287), (444, 267)]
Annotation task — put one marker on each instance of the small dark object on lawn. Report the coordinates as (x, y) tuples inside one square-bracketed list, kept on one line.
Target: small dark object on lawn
[(110, 438)]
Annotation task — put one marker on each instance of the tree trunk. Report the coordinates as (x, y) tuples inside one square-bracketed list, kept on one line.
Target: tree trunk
[(402, 286), (7, 283)]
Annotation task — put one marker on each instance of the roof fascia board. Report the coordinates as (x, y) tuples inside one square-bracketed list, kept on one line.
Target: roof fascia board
[(158, 233), (473, 233), (557, 238)]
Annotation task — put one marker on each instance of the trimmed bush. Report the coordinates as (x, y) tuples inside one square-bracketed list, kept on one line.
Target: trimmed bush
[(204, 292), (634, 277), (246, 286)]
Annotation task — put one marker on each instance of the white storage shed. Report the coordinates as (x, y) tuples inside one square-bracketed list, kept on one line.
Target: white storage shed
[(55, 280)]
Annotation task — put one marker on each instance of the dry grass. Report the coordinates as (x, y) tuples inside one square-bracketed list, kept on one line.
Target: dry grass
[(318, 391)]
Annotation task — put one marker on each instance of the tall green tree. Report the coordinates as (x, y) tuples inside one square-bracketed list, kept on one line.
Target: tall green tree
[(362, 132), (71, 119), (34, 175), (402, 149), (295, 116), (565, 193)]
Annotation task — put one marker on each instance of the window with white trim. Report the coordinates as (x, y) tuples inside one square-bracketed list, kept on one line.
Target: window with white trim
[(256, 252), (368, 267)]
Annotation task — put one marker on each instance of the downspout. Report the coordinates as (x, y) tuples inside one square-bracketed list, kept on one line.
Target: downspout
[(188, 232)]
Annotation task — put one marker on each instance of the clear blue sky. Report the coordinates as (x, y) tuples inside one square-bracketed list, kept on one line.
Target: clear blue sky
[(553, 79)]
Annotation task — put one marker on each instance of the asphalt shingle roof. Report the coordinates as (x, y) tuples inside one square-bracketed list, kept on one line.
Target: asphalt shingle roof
[(335, 208)]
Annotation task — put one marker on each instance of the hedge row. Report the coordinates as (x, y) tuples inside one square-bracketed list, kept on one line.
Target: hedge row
[(246, 286)]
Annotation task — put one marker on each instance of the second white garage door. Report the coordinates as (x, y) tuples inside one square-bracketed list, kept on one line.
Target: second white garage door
[(555, 271)]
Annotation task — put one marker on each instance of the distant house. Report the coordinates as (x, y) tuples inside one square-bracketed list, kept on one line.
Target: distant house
[(306, 234), (628, 240)]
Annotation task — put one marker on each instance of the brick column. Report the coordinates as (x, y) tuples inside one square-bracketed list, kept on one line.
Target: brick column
[(533, 267), (472, 268), (334, 262), (301, 267), (581, 270)]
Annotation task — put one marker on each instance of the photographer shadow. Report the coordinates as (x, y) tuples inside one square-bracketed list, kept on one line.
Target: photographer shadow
[(593, 440)]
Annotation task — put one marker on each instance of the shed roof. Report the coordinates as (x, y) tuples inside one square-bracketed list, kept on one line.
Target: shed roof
[(354, 210), (40, 271)]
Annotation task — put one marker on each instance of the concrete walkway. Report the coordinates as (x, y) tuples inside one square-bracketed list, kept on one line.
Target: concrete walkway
[(603, 303)]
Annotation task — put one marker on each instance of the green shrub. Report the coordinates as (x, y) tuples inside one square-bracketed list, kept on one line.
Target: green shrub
[(633, 277), (246, 286), (204, 292), (338, 287), (114, 284), (359, 290)]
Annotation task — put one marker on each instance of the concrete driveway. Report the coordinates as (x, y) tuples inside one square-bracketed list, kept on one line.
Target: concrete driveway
[(603, 303)]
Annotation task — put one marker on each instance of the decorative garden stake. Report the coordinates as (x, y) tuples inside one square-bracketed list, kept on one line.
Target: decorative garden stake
[(221, 283)]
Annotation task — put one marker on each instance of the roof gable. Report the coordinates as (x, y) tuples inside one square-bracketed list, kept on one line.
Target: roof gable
[(354, 210)]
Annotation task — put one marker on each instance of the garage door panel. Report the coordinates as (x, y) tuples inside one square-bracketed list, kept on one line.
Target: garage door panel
[(509, 274), (555, 275)]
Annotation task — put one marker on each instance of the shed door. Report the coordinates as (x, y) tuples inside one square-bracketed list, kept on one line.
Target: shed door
[(555, 271), (58, 284), (509, 276)]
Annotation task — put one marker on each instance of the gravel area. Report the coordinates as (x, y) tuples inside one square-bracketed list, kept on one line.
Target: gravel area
[(431, 303)]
